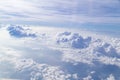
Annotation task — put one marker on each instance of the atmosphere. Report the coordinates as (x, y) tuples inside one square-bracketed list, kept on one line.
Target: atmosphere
[(59, 39), (59, 11)]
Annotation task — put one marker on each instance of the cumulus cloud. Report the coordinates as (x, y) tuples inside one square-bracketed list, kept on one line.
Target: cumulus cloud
[(58, 55), (73, 40), (19, 32), (41, 71), (87, 50)]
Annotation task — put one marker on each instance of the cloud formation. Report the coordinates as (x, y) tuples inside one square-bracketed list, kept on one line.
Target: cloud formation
[(18, 31), (41, 71), (88, 50), (51, 11), (73, 40), (53, 55)]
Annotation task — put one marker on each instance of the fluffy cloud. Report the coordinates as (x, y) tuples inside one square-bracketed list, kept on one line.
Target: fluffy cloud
[(18, 31), (56, 54), (92, 50), (73, 40), (41, 71)]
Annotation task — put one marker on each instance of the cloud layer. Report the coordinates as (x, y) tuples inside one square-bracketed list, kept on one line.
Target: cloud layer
[(56, 54), (80, 11), (89, 50)]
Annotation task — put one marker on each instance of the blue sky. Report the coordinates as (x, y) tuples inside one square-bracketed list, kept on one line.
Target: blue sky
[(60, 12)]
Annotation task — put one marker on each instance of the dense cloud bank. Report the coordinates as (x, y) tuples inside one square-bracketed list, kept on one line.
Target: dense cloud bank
[(38, 71), (58, 55), (88, 50)]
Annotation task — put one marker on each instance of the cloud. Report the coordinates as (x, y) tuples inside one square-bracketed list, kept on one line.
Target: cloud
[(111, 77), (87, 50), (74, 40), (53, 55), (52, 11), (19, 32), (41, 71), (88, 78)]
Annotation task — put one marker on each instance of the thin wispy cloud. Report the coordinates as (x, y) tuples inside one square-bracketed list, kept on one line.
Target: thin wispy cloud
[(80, 11)]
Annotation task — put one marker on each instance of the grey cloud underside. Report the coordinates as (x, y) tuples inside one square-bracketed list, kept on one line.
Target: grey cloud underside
[(59, 55), (18, 31)]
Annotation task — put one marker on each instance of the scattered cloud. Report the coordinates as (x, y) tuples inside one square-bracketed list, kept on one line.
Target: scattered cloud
[(18, 31), (56, 54), (41, 71)]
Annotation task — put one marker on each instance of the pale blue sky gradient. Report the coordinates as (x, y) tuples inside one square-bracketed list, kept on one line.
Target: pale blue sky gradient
[(62, 13)]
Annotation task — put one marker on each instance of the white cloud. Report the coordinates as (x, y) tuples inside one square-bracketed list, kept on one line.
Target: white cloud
[(73, 40), (41, 58), (96, 50), (91, 55), (41, 71), (111, 77), (31, 70), (52, 11), (88, 78)]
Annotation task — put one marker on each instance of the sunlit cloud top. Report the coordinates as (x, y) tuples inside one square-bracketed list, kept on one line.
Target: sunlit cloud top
[(80, 11)]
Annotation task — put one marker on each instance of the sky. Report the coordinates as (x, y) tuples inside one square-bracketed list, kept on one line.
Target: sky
[(60, 52), (60, 12), (45, 53)]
